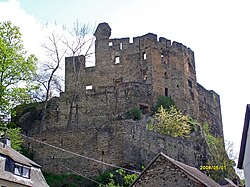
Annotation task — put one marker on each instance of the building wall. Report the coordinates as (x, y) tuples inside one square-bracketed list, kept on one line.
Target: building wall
[(10, 184), (210, 110), (163, 173), (246, 162), (122, 143)]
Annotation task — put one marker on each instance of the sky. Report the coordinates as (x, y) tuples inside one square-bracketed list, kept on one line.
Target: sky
[(217, 31)]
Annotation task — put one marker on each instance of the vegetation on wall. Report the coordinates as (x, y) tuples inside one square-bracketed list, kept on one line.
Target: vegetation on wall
[(165, 102), (134, 113), (69, 180), (219, 157), (171, 122), (116, 178)]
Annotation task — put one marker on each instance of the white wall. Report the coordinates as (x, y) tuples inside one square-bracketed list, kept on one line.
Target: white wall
[(246, 162)]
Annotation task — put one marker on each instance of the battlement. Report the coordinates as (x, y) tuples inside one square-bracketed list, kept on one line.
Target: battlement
[(129, 73)]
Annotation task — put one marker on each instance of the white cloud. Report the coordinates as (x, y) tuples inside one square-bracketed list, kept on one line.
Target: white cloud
[(30, 29)]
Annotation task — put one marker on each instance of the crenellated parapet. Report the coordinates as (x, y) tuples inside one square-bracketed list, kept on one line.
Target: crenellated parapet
[(165, 67)]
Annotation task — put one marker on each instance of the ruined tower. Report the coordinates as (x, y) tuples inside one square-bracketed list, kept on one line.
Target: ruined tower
[(127, 74)]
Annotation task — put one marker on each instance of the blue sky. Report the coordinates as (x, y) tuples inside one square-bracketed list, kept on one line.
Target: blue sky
[(217, 31)]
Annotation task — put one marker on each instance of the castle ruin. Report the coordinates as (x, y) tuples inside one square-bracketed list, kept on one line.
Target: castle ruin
[(135, 74), (126, 75)]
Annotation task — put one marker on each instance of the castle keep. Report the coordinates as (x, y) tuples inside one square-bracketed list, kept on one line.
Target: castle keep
[(126, 75), (135, 74)]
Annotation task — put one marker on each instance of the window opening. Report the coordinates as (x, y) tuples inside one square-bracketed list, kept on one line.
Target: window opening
[(26, 172), (110, 43), (120, 46), (131, 40), (22, 171), (145, 75), (18, 170), (144, 56), (166, 91), (117, 82), (190, 83), (89, 87), (166, 75), (162, 59), (117, 60)]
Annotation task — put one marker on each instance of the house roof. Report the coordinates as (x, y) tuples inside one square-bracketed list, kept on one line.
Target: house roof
[(227, 183), (244, 138), (191, 171), (16, 156), (36, 177)]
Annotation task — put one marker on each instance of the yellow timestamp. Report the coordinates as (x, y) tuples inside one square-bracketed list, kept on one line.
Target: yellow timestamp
[(216, 167)]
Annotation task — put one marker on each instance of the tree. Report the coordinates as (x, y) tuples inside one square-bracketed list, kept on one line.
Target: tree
[(14, 134), (59, 43), (48, 77), (17, 70)]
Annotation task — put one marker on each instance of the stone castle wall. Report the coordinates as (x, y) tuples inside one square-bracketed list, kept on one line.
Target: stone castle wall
[(125, 75), (123, 143), (135, 74)]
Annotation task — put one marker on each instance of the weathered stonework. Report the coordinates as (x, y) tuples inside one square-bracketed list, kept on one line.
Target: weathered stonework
[(125, 142), (133, 74), (125, 75)]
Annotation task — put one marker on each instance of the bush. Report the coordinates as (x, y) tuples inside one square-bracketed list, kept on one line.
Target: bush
[(134, 113), (171, 122), (117, 178), (165, 102), (69, 180)]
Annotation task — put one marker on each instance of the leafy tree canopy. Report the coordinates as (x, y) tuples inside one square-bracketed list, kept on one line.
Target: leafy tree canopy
[(17, 70)]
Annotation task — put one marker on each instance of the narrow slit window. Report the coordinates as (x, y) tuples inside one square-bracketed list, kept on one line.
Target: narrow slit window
[(166, 75), (144, 56), (145, 74), (120, 46), (117, 60), (166, 92), (190, 84), (162, 59)]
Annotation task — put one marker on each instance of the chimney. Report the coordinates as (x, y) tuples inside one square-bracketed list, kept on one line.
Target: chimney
[(4, 138), (6, 142)]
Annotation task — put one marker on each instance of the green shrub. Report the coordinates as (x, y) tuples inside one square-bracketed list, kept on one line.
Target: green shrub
[(69, 180), (134, 113), (117, 178), (165, 102), (171, 122)]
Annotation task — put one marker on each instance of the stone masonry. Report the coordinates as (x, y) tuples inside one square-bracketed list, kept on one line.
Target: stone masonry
[(129, 75), (126, 75)]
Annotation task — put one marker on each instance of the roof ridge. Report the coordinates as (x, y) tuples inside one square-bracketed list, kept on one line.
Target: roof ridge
[(180, 165)]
